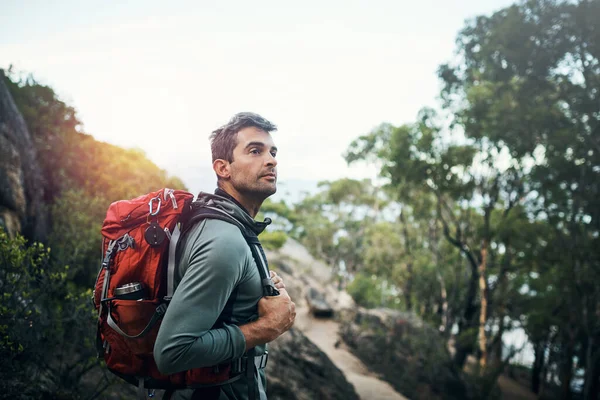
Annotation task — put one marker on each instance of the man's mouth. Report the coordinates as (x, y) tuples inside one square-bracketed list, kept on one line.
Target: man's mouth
[(270, 176)]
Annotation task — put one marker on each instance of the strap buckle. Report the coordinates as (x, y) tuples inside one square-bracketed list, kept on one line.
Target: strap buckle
[(161, 309), (261, 361), (239, 365)]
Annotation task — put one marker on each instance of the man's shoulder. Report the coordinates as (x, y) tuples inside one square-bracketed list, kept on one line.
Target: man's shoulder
[(217, 233), (214, 242)]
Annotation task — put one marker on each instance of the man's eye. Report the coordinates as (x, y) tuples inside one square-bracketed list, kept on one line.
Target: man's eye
[(254, 151), (274, 153)]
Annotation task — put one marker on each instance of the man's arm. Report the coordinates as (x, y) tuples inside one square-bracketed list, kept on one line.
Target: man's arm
[(185, 339)]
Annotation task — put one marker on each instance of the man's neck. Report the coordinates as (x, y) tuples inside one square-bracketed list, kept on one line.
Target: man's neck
[(251, 206)]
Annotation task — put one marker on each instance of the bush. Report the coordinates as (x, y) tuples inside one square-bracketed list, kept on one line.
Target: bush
[(45, 331)]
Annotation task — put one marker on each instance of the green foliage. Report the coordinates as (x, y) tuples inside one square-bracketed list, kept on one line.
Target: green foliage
[(366, 291), (23, 278), (275, 236), (273, 240), (284, 214), (74, 240), (331, 223), (41, 321)]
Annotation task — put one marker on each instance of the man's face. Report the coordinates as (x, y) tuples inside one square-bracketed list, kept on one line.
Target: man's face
[(254, 167)]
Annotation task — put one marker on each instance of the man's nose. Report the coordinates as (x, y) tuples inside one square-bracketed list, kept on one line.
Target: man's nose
[(271, 161)]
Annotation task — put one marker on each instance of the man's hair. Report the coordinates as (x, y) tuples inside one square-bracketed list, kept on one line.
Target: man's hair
[(224, 139)]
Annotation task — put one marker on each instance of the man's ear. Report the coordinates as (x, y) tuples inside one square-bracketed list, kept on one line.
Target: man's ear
[(222, 168)]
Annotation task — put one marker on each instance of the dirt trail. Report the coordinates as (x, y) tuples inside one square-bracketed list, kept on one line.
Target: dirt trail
[(323, 333)]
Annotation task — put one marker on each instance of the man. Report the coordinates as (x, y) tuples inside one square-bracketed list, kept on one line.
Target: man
[(215, 269)]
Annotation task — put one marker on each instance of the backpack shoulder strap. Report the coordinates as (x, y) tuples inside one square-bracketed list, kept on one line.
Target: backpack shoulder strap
[(262, 264)]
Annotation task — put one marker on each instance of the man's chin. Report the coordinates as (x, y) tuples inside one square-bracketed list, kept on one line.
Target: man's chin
[(263, 191), (270, 191)]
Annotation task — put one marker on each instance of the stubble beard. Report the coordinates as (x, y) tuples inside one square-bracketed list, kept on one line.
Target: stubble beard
[(258, 191)]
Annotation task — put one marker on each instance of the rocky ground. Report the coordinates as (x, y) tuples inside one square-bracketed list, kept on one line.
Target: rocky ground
[(308, 282), (324, 333)]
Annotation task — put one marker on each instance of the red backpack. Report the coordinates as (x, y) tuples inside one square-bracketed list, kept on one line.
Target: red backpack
[(135, 284)]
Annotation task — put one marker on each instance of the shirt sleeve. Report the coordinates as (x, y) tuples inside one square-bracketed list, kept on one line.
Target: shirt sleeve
[(186, 338)]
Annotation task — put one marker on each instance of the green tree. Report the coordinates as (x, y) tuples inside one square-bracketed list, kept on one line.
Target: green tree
[(528, 78), (332, 223), (42, 323)]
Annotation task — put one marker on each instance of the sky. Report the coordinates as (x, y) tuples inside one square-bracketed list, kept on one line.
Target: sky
[(160, 76)]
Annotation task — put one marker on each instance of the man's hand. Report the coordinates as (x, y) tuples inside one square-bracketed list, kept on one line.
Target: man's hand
[(277, 280), (276, 314)]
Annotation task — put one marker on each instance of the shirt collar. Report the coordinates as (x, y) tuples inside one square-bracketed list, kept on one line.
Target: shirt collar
[(222, 193)]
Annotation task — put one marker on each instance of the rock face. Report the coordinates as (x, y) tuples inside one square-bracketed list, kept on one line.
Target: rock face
[(407, 353), (298, 370), (21, 183)]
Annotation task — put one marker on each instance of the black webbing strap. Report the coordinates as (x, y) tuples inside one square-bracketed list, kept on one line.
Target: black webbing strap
[(263, 266), (250, 374), (141, 395)]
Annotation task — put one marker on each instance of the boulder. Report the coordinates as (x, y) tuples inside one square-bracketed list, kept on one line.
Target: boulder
[(21, 182), (317, 303), (409, 354)]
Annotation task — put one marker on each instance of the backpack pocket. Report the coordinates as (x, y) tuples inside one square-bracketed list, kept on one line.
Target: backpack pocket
[(137, 321)]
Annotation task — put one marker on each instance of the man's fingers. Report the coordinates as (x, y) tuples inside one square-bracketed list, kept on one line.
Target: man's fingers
[(283, 292), (277, 280)]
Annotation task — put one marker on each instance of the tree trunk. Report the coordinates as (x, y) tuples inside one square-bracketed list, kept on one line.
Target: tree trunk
[(464, 346), (443, 307), (466, 323), (566, 365), (444, 296), (538, 365), (496, 345), (483, 310), (591, 386), (409, 266), (408, 287), (548, 373)]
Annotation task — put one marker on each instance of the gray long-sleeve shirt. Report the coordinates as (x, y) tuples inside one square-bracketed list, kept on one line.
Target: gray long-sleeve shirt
[(214, 260)]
